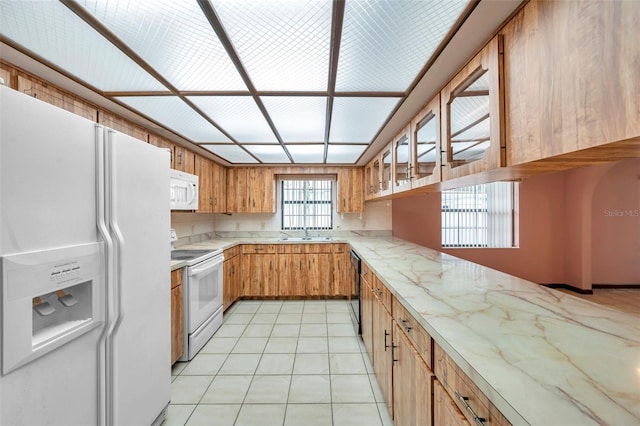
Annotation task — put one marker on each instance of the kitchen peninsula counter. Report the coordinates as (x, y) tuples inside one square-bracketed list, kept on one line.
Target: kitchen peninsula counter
[(541, 356)]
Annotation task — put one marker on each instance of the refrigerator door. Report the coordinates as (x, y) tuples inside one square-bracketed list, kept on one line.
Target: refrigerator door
[(138, 346), (48, 201)]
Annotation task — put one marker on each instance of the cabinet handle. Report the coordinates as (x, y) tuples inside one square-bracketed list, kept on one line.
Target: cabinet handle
[(393, 352), (385, 341), (405, 326), (258, 248), (379, 291), (465, 401)]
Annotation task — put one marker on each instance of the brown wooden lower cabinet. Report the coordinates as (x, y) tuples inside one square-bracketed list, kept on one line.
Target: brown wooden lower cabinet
[(465, 394), (260, 274), (382, 356), (445, 411), (412, 384), (232, 284), (366, 310), (177, 316)]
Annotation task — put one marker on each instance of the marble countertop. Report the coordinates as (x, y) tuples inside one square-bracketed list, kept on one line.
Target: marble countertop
[(541, 356)]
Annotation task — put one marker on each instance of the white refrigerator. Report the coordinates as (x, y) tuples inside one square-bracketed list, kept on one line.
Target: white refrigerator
[(85, 290)]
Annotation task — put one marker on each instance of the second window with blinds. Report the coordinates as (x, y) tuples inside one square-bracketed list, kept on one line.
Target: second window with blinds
[(307, 205)]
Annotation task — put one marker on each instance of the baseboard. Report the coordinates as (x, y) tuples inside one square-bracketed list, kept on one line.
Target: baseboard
[(569, 287), (616, 286)]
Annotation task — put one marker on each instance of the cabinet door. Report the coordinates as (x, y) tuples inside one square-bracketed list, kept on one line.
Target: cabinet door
[(412, 384), (382, 357), (184, 159), (219, 188), (203, 170), (445, 411), (260, 274), (261, 189), (366, 321), (237, 190), (319, 274), (292, 274), (177, 324), (350, 191), (426, 155), (472, 116), (342, 280), (386, 173), (402, 156)]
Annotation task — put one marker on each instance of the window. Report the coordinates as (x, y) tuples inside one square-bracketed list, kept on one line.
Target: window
[(480, 216), (307, 204)]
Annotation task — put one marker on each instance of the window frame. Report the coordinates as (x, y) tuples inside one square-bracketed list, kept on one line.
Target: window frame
[(332, 188)]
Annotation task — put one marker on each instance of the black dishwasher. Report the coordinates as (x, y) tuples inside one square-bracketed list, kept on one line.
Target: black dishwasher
[(354, 291)]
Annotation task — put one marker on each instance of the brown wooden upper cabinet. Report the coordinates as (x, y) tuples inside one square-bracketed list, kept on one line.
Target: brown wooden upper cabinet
[(472, 116), (350, 190), (250, 190), (402, 160), (427, 147), (386, 175), (212, 186), (184, 160)]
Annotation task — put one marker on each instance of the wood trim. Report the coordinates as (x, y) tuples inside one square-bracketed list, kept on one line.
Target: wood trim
[(569, 287), (337, 18)]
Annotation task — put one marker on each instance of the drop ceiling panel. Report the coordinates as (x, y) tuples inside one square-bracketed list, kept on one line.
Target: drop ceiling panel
[(298, 118), (176, 115), (404, 33), (231, 153), (283, 44), (307, 153), (359, 119), (344, 153), (175, 38), (466, 110), (269, 153), (53, 32), (239, 116)]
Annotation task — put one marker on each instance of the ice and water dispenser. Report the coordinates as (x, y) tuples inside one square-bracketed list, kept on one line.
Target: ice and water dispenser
[(49, 298)]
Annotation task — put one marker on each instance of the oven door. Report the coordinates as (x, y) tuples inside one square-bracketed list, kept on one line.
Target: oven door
[(204, 297)]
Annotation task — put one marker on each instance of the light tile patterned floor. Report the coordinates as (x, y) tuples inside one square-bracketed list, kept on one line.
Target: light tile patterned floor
[(284, 363)]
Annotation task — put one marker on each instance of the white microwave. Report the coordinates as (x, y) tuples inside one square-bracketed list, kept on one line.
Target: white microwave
[(183, 190)]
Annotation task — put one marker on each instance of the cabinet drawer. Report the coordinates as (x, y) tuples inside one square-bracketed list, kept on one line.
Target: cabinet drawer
[(466, 395), (414, 331), (259, 248), (366, 276), (231, 252), (382, 292), (176, 278), (339, 248), (445, 411)]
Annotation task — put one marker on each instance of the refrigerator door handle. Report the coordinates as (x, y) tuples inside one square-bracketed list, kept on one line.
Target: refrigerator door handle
[(115, 272), (103, 230)]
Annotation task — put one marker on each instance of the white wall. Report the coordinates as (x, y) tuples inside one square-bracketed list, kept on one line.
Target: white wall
[(194, 226)]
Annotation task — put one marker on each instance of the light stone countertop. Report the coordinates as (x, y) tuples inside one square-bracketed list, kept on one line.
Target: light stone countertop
[(541, 356)]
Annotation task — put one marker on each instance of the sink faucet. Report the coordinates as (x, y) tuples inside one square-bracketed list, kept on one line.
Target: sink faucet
[(306, 232)]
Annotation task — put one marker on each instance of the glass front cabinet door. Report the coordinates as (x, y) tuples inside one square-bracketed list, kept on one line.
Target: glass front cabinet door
[(471, 106)]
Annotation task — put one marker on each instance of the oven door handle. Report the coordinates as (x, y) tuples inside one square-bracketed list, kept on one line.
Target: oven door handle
[(194, 272)]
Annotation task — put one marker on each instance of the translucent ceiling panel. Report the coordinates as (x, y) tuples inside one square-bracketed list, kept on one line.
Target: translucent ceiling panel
[(283, 44), (174, 37), (53, 32), (298, 119), (385, 43), (466, 110), (237, 115), (269, 153), (231, 153), (359, 119), (171, 112), (344, 153), (307, 153)]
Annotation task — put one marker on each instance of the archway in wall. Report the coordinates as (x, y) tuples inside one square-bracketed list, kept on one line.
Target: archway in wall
[(615, 225)]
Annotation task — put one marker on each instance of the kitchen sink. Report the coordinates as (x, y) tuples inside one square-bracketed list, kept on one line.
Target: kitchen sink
[(306, 239)]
